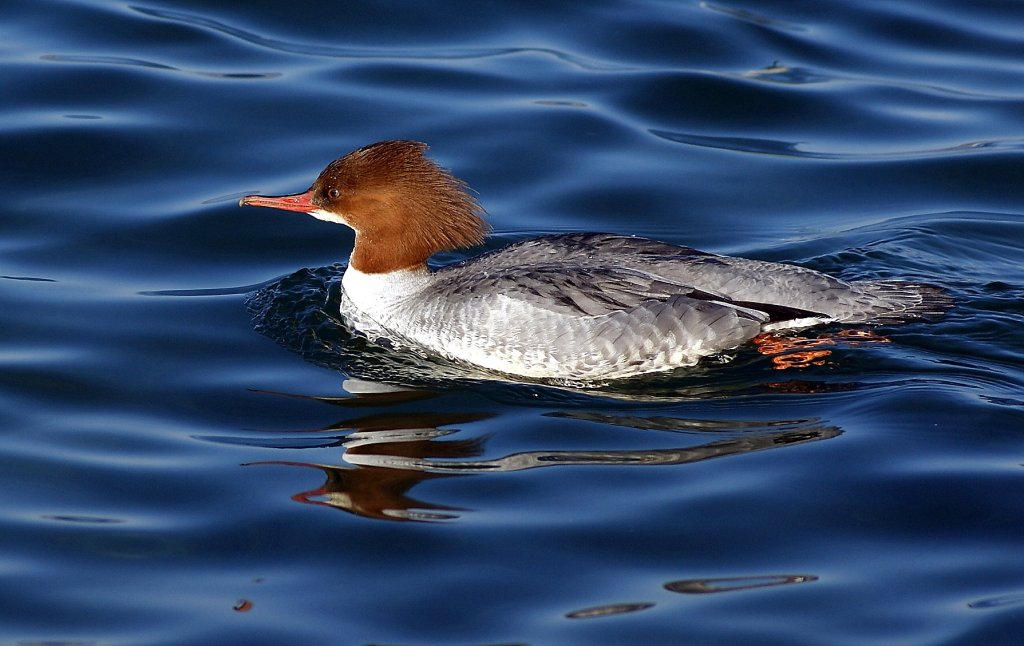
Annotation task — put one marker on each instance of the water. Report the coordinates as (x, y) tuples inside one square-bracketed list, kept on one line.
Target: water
[(189, 451)]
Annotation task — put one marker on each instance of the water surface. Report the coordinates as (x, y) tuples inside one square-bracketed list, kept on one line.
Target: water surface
[(194, 452)]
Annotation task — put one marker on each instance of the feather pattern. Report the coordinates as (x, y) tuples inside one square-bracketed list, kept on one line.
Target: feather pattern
[(599, 306)]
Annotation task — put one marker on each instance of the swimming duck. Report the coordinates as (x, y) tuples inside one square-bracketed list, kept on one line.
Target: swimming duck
[(579, 307)]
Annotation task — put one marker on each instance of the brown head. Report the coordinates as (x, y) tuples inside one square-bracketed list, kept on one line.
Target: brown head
[(402, 206)]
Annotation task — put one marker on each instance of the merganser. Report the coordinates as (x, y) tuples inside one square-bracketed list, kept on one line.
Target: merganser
[(577, 307)]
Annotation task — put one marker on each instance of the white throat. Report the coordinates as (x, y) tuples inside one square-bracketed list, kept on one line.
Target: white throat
[(378, 294), (327, 216)]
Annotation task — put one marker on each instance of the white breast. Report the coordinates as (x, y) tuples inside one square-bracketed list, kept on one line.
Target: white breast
[(379, 295), (402, 308)]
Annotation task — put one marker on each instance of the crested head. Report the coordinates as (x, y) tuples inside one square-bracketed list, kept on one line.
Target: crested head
[(402, 206)]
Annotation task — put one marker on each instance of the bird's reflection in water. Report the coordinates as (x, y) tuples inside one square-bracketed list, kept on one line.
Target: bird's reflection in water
[(385, 455)]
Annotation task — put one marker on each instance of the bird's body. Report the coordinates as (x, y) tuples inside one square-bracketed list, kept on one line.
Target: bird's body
[(577, 306)]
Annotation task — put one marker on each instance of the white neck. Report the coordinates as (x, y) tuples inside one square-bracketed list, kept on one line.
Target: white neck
[(378, 293)]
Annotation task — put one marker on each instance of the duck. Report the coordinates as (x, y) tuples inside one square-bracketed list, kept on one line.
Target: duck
[(579, 307)]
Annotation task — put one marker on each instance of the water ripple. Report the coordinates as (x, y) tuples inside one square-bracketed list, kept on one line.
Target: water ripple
[(736, 584), (136, 62), (753, 18), (595, 612), (167, 470), (761, 146), (998, 602), (398, 53)]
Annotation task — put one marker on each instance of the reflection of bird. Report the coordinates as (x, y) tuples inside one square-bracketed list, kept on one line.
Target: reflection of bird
[(388, 463), (373, 492), (536, 459), (581, 306), (380, 490), (387, 454)]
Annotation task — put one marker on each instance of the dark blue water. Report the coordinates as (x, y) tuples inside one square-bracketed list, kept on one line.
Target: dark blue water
[(189, 450)]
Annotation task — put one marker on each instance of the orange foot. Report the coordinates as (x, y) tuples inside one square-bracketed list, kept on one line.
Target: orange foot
[(800, 352), (800, 359), (855, 337)]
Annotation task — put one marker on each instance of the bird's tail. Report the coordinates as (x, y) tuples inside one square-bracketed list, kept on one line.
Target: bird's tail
[(895, 301)]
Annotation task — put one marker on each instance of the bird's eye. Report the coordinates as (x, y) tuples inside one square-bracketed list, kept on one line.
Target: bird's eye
[(334, 193)]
